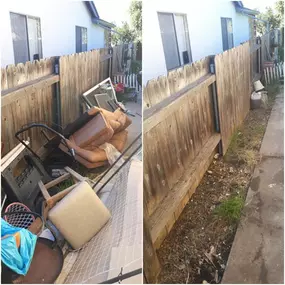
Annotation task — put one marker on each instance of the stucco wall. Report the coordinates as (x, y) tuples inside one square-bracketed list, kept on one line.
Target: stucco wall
[(58, 21), (204, 21)]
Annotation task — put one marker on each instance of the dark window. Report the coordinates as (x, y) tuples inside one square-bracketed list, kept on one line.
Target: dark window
[(81, 39), (227, 33), (26, 35), (175, 39)]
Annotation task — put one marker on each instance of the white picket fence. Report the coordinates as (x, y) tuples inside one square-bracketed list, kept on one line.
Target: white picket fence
[(274, 73), (130, 81)]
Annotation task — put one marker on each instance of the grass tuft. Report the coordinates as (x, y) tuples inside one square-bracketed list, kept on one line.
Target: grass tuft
[(65, 184), (230, 209), (247, 156)]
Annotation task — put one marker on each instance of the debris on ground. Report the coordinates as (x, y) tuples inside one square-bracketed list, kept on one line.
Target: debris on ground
[(209, 230)]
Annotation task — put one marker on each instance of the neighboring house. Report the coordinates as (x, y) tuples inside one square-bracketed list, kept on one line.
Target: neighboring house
[(32, 30), (180, 32)]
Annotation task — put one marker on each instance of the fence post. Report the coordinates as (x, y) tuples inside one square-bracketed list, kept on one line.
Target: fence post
[(151, 265), (56, 102), (215, 102)]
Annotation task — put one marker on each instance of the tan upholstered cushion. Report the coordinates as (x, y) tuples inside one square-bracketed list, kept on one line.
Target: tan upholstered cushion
[(79, 215), (97, 131)]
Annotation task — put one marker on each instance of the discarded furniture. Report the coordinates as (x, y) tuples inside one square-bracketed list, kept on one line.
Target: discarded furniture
[(109, 100), (20, 173), (104, 87), (117, 247), (82, 139), (80, 225), (52, 200), (103, 126)]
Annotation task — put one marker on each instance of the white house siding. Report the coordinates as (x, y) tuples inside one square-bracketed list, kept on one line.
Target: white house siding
[(58, 20), (204, 21)]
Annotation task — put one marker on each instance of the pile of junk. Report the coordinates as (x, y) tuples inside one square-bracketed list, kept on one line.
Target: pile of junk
[(60, 226)]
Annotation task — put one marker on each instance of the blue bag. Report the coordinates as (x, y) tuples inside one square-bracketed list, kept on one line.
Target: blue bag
[(17, 259)]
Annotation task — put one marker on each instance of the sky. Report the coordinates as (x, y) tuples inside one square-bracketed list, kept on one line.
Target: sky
[(259, 4), (113, 10), (117, 10)]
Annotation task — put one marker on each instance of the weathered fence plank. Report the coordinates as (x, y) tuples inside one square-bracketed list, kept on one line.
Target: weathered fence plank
[(233, 87), (177, 79), (176, 127), (78, 73), (34, 105)]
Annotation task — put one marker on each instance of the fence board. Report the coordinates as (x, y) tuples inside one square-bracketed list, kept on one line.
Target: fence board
[(78, 73), (233, 87), (158, 89), (177, 129), (20, 110)]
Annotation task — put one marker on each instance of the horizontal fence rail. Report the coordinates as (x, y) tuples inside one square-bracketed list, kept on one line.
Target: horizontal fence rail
[(27, 96)]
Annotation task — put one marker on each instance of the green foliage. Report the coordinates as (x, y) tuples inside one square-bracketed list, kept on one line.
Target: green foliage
[(279, 7), (125, 34), (129, 33), (136, 66), (230, 209), (65, 184), (275, 17), (136, 18)]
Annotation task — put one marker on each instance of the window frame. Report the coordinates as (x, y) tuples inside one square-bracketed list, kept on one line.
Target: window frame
[(188, 42), (27, 39), (232, 33), (81, 29)]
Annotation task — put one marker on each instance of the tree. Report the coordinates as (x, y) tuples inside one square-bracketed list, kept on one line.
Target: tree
[(129, 33), (279, 7), (123, 34), (275, 17), (136, 18)]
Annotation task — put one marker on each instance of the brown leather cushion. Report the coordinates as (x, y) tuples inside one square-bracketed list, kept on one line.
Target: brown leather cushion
[(96, 131), (94, 156), (123, 119), (118, 120)]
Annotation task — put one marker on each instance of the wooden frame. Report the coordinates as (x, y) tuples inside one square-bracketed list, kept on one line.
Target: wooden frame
[(107, 80), (52, 200), (10, 156)]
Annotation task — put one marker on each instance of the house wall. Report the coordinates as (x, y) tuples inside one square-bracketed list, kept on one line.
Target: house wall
[(204, 21), (58, 21)]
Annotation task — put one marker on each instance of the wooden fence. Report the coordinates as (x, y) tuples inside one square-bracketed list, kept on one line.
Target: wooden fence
[(260, 53), (78, 73), (273, 73), (233, 88), (123, 55), (186, 115), (28, 92), (26, 97)]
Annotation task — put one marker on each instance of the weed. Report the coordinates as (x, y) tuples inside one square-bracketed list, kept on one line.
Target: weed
[(235, 144), (247, 156), (231, 208), (65, 184), (273, 89)]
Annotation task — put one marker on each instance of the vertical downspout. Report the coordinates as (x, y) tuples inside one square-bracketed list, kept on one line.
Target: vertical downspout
[(215, 102), (56, 99)]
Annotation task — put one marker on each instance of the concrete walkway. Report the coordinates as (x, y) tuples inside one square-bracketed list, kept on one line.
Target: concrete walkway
[(257, 254)]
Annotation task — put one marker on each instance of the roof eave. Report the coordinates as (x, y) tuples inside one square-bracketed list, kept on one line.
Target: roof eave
[(92, 9), (101, 22), (244, 10)]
